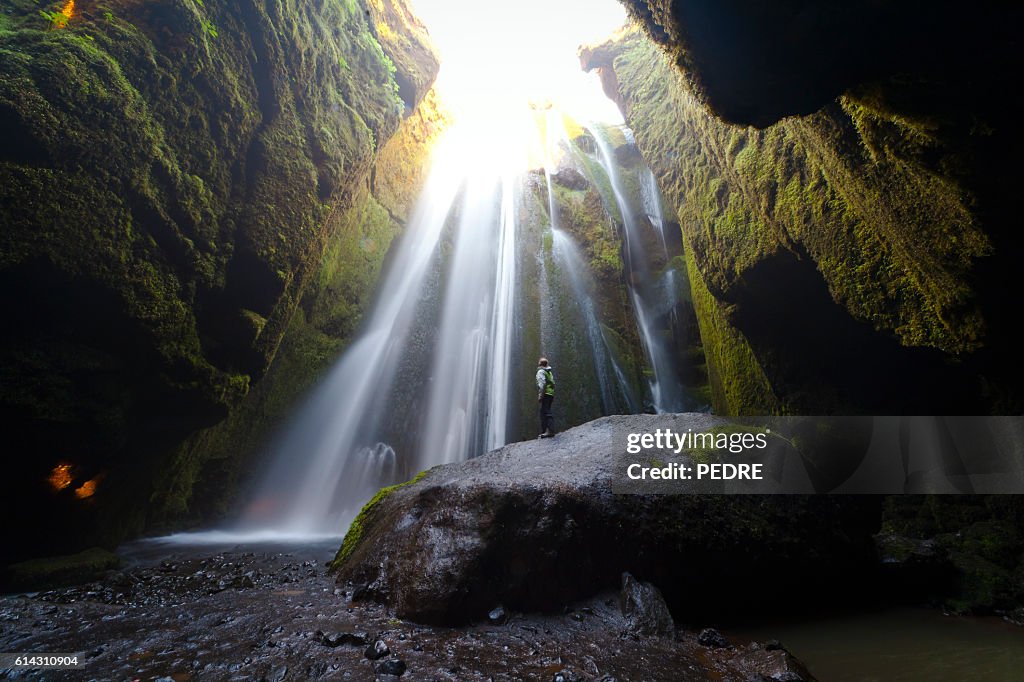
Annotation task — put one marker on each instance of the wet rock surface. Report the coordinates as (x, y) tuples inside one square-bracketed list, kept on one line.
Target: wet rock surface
[(535, 524), (644, 608), (191, 617)]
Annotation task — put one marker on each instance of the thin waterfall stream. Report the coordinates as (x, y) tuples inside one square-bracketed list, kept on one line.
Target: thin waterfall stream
[(648, 298)]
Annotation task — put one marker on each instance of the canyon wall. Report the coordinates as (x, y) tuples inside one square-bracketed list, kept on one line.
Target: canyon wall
[(179, 183), (846, 217)]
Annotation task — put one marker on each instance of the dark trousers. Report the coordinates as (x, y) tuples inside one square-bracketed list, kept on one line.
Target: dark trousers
[(547, 421)]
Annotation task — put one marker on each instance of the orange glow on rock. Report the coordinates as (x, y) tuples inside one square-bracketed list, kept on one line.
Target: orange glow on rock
[(87, 489), (60, 477)]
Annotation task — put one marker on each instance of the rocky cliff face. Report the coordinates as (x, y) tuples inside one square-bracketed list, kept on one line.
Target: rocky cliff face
[(854, 258), (176, 173), (211, 467)]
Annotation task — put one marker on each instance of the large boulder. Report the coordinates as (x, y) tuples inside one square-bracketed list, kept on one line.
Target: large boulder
[(534, 525)]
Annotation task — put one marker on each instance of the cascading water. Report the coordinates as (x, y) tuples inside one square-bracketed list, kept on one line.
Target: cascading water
[(611, 379), (434, 375), (329, 459), (474, 332), (445, 357), (502, 321), (648, 298)]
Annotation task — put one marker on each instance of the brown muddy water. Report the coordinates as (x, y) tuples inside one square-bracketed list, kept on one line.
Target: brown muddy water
[(903, 645)]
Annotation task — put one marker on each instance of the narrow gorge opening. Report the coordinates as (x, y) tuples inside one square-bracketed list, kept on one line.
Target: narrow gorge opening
[(276, 278), (539, 231)]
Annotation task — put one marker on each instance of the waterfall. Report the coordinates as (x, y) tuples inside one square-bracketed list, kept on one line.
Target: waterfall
[(611, 378), (502, 322), (328, 455), (341, 446), (439, 371), (454, 428), (648, 298)]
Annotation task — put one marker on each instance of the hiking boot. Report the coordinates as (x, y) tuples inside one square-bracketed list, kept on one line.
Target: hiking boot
[(547, 434)]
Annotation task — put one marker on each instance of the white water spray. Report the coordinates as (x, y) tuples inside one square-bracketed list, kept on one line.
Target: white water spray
[(430, 378)]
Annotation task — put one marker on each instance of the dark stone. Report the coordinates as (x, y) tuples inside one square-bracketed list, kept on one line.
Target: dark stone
[(278, 674), (394, 666), (521, 510), (774, 645), (765, 663), (377, 650), (755, 63), (628, 155), (571, 178), (644, 608), (711, 637), (317, 670), (243, 582), (564, 676), (789, 676), (339, 638), (498, 616)]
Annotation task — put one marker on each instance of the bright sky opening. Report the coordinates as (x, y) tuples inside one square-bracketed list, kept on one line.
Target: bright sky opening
[(504, 55)]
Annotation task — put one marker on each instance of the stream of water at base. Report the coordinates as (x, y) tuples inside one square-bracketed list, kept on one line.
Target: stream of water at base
[(902, 645)]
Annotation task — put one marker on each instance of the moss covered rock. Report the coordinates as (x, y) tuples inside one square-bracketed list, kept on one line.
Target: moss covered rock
[(211, 466), (971, 545), (51, 572), (175, 178), (847, 256)]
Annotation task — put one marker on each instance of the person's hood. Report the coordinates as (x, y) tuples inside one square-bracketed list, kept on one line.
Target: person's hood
[(543, 367)]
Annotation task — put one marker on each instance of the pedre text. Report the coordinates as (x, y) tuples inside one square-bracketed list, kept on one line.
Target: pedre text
[(723, 471), (667, 439)]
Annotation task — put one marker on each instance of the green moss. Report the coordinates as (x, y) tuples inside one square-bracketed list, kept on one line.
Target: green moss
[(979, 536), (738, 384), (168, 203), (358, 526), (863, 193), (583, 214), (52, 572)]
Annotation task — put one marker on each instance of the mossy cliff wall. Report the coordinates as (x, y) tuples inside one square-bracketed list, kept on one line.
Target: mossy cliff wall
[(857, 258), (211, 468), (172, 175)]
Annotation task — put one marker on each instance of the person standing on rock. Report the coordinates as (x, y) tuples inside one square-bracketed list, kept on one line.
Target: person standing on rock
[(545, 396)]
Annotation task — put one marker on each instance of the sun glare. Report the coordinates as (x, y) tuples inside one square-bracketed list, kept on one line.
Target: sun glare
[(509, 69), (493, 54)]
